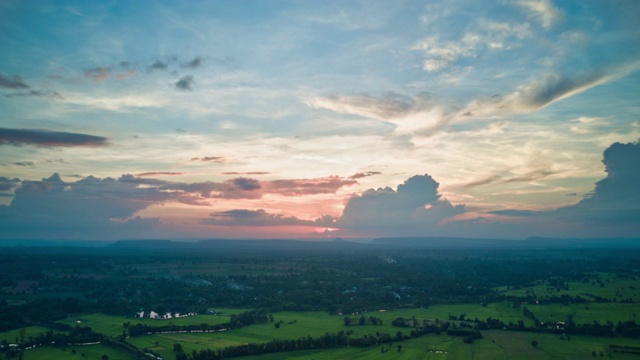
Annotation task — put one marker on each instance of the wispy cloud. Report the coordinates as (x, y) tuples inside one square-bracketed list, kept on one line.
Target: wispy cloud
[(244, 217), (541, 10), (15, 82), (159, 173)]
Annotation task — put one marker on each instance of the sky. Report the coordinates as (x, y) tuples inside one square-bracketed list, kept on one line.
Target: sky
[(319, 119)]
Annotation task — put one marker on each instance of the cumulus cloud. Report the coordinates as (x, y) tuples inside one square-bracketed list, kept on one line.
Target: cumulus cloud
[(243, 217), (484, 36), (415, 207), (87, 207), (613, 208), (185, 83), (14, 82), (18, 137), (7, 184)]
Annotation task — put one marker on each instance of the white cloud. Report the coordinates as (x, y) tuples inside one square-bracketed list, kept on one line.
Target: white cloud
[(542, 10)]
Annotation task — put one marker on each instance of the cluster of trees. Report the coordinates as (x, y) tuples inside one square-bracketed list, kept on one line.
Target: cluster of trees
[(362, 320)]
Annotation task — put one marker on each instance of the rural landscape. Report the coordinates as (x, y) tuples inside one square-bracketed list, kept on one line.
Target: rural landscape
[(274, 299), (310, 180)]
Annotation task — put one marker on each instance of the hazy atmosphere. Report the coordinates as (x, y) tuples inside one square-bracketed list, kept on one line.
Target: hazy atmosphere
[(319, 119)]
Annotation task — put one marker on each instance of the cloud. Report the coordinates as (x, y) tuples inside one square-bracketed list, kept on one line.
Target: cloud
[(613, 208), (99, 73), (196, 62), (246, 173), (159, 173), (7, 184), (541, 10), (214, 159), (37, 93), (301, 187), (387, 107), (515, 212), (24, 163), (363, 174), (246, 188), (19, 137), (243, 217), (15, 82), (483, 36), (185, 83), (158, 65), (531, 176), (484, 181), (415, 207), (90, 207)]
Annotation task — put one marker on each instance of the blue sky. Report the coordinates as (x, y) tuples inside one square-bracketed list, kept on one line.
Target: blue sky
[(295, 119)]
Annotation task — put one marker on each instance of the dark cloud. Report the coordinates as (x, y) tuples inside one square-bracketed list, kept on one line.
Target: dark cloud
[(616, 198), (90, 207), (24, 163), (159, 173), (242, 217), (413, 208), (37, 93), (158, 65), (7, 184), (364, 174), (246, 184), (185, 83), (515, 212), (613, 208), (299, 187), (196, 62), (15, 82), (19, 137), (483, 181)]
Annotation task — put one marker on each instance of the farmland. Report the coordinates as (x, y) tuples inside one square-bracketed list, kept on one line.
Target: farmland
[(335, 302)]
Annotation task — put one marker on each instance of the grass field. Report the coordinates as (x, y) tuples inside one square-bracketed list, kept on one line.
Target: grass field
[(91, 352), (496, 344), (31, 331), (607, 286), (113, 325), (587, 313)]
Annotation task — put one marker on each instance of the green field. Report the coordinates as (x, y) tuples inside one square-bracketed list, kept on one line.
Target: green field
[(112, 325), (13, 336), (88, 352), (607, 286)]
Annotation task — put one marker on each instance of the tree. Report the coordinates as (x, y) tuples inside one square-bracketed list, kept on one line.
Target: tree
[(399, 347)]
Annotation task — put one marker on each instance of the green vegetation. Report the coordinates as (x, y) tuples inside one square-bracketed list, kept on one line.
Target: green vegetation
[(333, 303)]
